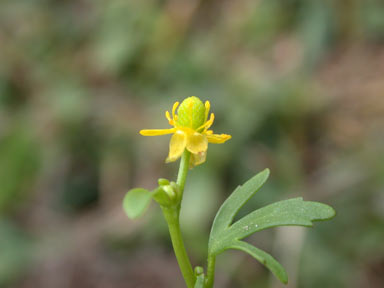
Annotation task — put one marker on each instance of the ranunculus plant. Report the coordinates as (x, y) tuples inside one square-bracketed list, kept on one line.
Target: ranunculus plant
[(190, 123)]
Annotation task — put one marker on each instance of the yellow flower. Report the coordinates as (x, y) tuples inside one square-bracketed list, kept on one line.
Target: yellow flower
[(190, 130)]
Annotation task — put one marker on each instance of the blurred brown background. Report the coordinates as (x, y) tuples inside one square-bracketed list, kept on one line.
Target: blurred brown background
[(299, 84)]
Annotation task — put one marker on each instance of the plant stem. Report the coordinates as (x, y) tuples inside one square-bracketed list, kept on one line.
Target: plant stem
[(171, 215), (210, 271), (183, 170)]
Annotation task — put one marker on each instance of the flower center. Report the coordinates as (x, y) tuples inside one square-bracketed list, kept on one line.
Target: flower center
[(191, 113)]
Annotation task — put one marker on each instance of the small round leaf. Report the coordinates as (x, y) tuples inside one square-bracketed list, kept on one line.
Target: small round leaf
[(136, 202)]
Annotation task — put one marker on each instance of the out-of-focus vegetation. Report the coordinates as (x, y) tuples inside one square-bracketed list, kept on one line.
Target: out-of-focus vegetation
[(299, 84)]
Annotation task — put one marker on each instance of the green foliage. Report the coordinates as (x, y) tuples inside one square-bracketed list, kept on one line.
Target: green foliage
[(116, 61), (263, 257), (295, 212), (288, 212), (232, 205), (227, 235), (161, 197), (136, 201)]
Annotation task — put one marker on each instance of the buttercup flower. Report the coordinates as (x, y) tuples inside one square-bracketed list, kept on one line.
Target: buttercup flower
[(190, 130)]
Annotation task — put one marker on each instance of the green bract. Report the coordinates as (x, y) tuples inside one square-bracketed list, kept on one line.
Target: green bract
[(191, 113)]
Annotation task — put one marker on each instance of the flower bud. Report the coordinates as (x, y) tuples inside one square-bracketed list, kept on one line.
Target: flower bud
[(163, 181), (170, 191)]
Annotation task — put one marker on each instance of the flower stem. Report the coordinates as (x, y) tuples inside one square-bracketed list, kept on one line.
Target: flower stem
[(210, 271), (183, 170), (171, 215)]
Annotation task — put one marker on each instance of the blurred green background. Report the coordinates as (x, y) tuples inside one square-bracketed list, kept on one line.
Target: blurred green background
[(298, 84)]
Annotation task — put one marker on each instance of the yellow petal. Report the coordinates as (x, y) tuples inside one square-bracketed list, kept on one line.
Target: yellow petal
[(197, 143), (197, 159), (217, 138), (156, 132), (168, 116), (176, 146), (207, 124), (174, 109)]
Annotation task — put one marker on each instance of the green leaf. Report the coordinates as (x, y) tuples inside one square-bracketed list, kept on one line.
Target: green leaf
[(136, 202), (237, 200), (292, 212), (295, 212), (264, 258)]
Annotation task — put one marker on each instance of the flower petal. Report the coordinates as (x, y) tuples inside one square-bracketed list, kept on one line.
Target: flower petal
[(197, 143), (207, 107), (207, 124), (157, 132), (168, 116), (176, 146), (217, 138), (174, 109), (197, 159)]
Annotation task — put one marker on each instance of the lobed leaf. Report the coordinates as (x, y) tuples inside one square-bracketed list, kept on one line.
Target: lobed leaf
[(136, 201), (264, 258), (235, 201), (294, 212)]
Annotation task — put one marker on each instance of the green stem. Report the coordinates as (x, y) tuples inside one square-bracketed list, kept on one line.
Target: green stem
[(183, 170), (171, 215), (210, 271)]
